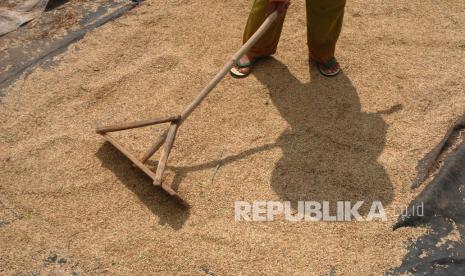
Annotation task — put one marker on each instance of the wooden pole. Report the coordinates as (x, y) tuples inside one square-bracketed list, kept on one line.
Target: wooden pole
[(224, 71), (155, 147), (102, 130), (165, 153), (168, 137), (130, 156)]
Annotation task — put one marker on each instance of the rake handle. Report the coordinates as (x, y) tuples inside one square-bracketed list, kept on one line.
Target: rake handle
[(224, 71), (167, 139)]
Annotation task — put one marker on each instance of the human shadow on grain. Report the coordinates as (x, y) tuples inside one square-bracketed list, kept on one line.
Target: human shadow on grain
[(162, 205), (331, 147)]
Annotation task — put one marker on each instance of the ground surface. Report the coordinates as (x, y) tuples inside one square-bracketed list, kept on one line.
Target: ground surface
[(62, 23), (70, 203)]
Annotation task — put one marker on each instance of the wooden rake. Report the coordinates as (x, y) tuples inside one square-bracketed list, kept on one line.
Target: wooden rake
[(167, 138)]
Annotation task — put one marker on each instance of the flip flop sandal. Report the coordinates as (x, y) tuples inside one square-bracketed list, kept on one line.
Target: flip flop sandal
[(238, 74), (328, 65)]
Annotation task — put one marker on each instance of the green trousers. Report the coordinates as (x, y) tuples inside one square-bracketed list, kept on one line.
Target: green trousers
[(324, 23)]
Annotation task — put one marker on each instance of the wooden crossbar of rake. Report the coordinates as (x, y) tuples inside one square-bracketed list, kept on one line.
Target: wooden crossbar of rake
[(167, 138)]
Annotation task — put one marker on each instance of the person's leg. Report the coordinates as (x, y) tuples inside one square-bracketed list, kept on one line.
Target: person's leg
[(324, 24), (267, 44)]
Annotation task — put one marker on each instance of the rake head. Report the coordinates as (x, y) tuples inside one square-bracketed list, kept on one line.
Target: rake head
[(166, 140)]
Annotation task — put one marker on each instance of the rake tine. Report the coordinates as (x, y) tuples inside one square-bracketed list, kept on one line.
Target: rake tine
[(165, 153), (105, 129)]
